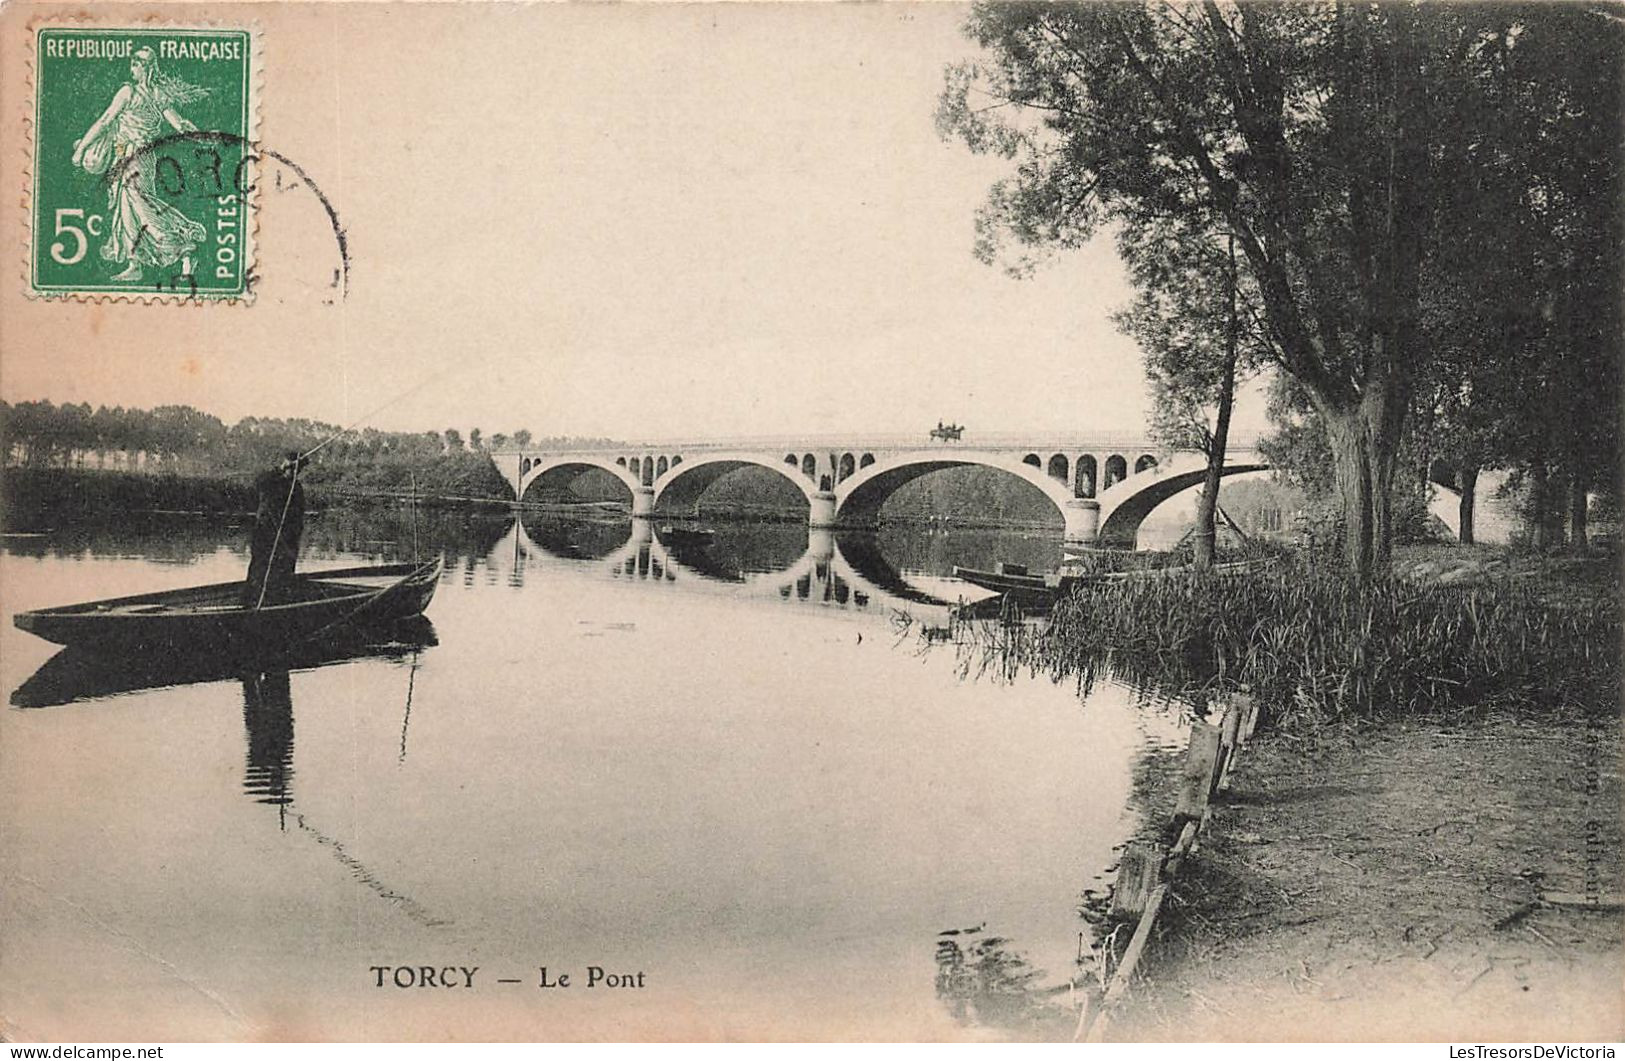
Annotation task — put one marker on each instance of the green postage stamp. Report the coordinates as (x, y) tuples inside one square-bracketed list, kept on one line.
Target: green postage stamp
[(142, 162)]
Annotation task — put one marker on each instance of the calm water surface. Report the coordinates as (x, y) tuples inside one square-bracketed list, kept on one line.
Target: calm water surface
[(718, 765)]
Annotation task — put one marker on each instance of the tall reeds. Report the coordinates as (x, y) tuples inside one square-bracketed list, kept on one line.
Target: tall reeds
[(1314, 645)]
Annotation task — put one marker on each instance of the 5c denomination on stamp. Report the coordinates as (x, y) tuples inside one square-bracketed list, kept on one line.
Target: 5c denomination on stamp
[(126, 203)]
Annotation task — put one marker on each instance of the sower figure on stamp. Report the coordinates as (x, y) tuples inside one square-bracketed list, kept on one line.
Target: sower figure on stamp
[(279, 521), (142, 229)]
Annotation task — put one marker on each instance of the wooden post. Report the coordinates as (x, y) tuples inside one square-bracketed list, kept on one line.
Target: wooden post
[(1139, 872), (1229, 740), (1131, 959), (1196, 779), (1249, 716), (1182, 848)]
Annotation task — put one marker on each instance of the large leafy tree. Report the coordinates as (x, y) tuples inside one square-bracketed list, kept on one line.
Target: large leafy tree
[(1523, 306), (1330, 139), (1562, 141)]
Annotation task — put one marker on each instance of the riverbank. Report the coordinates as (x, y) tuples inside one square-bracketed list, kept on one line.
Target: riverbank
[(40, 499), (1376, 884), (1384, 864)]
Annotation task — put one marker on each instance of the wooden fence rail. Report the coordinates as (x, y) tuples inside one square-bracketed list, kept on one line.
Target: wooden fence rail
[(1148, 867)]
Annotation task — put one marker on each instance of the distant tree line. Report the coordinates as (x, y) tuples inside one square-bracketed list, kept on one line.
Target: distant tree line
[(181, 440)]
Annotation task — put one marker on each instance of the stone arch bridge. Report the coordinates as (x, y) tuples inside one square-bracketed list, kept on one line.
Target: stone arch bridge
[(1103, 486)]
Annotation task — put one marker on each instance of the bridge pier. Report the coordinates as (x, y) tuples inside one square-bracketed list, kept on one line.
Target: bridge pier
[(1082, 521), (643, 502), (821, 544), (821, 509)]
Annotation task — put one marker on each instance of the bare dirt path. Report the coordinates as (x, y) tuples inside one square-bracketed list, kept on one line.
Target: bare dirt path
[(1380, 886)]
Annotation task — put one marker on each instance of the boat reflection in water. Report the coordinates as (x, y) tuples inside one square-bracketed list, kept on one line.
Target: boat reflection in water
[(76, 676)]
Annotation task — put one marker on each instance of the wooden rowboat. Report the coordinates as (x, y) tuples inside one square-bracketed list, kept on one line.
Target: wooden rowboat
[(213, 616), (1015, 583)]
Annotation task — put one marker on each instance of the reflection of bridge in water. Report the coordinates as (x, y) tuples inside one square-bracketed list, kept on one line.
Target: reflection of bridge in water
[(796, 563), (1103, 486)]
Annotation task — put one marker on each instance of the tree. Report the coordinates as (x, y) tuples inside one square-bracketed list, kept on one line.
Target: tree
[(1320, 135), (454, 440), (105, 427), (521, 438), (1188, 320), (474, 439), (1565, 77), (1524, 306)]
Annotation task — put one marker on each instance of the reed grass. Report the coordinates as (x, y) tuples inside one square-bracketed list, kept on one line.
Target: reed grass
[(1315, 646)]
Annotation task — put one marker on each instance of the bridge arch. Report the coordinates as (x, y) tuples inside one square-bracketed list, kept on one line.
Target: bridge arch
[(1116, 470), (1084, 483), (682, 484), (859, 498), (562, 470), (1124, 505)]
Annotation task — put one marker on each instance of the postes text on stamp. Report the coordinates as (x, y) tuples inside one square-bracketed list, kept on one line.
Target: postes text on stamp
[(142, 167)]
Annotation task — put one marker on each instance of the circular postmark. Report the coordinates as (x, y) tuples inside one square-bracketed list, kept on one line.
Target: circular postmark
[(228, 174)]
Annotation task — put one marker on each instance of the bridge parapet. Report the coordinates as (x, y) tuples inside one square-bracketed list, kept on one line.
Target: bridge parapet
[(1046, 442)]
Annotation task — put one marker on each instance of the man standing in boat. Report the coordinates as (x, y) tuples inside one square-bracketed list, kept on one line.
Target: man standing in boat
[(279, 521)]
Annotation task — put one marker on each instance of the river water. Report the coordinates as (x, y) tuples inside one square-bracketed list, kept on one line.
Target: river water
[(728, 770)]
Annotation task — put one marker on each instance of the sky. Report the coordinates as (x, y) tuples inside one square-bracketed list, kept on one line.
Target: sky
[(634, 222)]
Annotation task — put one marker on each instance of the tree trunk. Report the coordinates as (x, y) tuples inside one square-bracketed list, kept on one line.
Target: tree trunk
[(1577, 514), (1535, 521), (1557, 493), (1206, 509), (1469, 492), (1207, 505), (1364, 441), (1383, 409), (1351, 468)]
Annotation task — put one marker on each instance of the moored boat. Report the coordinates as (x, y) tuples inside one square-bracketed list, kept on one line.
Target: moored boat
[(1029, 590), (1014, 582), (213, 616)]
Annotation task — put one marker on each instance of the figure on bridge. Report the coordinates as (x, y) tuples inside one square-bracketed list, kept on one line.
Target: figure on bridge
[(947, 432)]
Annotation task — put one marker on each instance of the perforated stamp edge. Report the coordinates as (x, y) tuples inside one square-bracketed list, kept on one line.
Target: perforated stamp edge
[(113, 21)]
